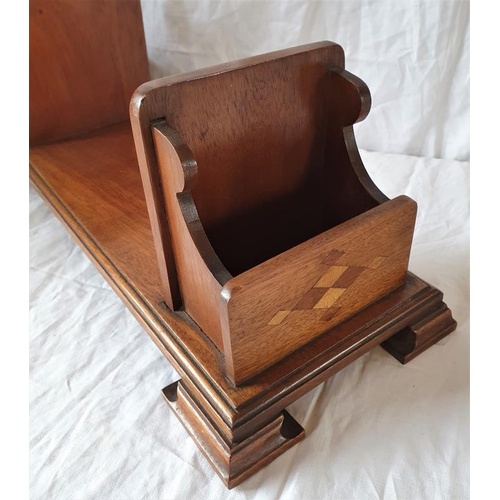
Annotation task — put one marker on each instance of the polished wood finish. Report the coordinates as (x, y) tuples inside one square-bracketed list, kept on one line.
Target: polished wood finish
[(419, 336), (234, 462), (93, 184), (126, 258), (262, 159), (288, 299), (200, 274), (86, 60), (298, 295), (101, 190), (248, 173)]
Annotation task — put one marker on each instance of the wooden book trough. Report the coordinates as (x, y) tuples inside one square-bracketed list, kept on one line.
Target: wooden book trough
[(248, 239)]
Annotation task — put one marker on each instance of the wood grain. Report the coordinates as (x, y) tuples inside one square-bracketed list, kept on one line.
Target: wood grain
[(200, 284), (204, 279), (269, 311), (416, 338), (83, 203), (387, 229), (102, 191), (233, 461), (237, 194), (92, 183), (258, 129), (86, 60), (69, 177)]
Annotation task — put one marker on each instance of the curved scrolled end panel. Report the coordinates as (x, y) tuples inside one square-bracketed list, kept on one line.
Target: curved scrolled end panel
[(238, 115), (350, 97), (348, 189), (242, 164), (199, 271)]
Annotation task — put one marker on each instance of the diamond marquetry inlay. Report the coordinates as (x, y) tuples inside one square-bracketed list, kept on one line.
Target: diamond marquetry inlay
[(329, 287)]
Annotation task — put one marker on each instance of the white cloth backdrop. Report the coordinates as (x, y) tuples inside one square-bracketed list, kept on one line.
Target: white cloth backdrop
[(99, 428), (413, 55), (376, 430)]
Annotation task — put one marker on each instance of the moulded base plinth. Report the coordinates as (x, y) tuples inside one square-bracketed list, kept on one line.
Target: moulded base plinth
[(263, 439), (416, 338), (233, 461), (239, 429)]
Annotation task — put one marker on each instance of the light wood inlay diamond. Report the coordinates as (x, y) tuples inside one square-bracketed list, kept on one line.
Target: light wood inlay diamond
[(329, 287), (330, 277), (331, 296), (278, 318)]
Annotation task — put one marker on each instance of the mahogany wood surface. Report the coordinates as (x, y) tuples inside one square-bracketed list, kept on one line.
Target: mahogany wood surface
[(104, 209), (267, 312), (86, 59), (249, 157), (115, 230), (280, 305), (233, 462), (101, 189), (201, 284), (262, 158)]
